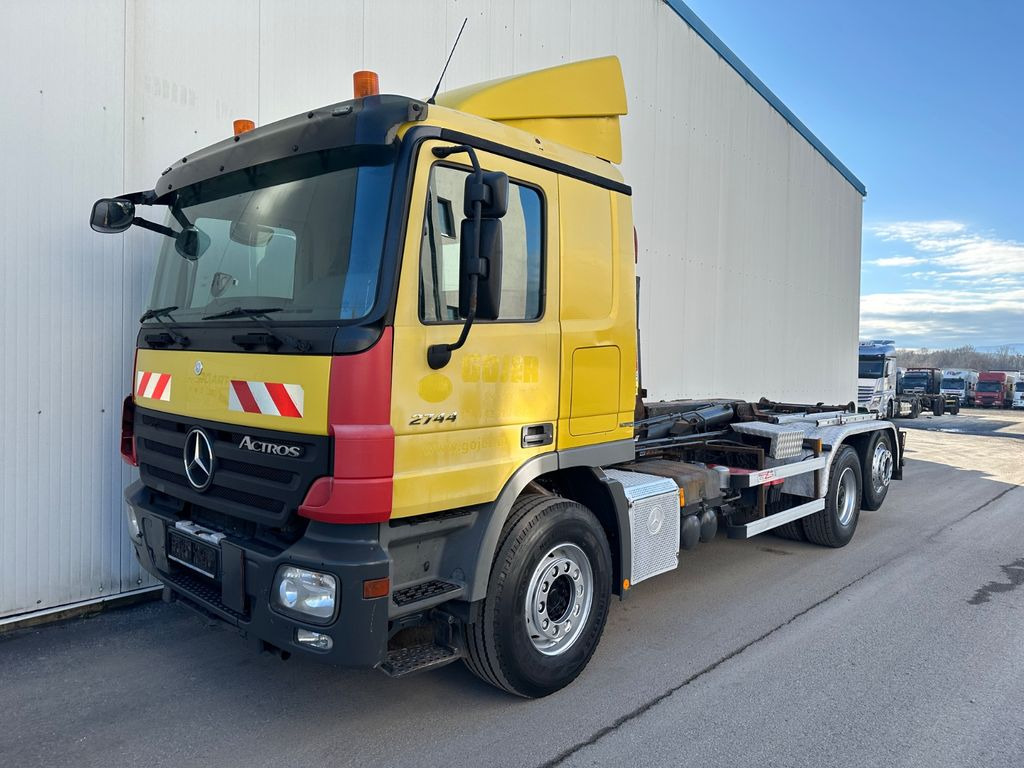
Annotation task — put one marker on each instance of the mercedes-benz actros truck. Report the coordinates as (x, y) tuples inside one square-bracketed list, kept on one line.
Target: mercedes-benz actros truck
[(385, 405)]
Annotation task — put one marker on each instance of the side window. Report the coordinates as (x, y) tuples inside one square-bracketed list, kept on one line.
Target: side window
[(522, 251)]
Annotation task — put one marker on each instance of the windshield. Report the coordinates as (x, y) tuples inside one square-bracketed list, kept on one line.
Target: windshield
[(304, 234), (1019, 387), (952, 383), (871, 369), (915, 380), (990, 386)]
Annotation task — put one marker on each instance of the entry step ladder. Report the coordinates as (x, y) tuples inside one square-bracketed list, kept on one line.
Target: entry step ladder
[(426, 593), (417, 658)]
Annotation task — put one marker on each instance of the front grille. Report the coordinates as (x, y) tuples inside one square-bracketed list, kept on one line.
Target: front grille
[(864, 393), (262, 488)]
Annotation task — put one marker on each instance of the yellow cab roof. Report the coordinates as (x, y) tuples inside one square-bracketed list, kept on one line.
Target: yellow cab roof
[(569, 113)]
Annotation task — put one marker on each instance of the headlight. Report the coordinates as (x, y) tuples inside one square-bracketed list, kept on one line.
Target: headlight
[(133, 524), (309, 595)]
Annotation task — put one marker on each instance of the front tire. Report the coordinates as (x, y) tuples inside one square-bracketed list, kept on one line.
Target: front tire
[(835, 524), (547, 599)]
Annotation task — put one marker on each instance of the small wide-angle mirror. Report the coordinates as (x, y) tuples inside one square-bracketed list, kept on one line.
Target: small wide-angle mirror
[(191, 243), (491, 190), (111, 215)]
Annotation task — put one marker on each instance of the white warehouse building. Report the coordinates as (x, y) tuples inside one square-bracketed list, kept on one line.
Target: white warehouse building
[(748, 226)]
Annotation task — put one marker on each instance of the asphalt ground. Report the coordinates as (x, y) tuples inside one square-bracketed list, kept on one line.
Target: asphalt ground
[(905, 648), (972, 421)]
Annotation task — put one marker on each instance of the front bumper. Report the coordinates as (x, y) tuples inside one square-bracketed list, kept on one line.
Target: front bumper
[(241, 595)]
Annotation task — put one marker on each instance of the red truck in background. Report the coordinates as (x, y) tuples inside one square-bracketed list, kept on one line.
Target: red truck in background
[(995, 389)]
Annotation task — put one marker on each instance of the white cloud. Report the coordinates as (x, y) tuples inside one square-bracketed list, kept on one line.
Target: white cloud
[(898, 261), (968, 286), (952, 246), (914, 231)]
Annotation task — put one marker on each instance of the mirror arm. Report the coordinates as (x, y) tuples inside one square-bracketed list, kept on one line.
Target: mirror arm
[(180, 217), (153, 227), (439, 355)]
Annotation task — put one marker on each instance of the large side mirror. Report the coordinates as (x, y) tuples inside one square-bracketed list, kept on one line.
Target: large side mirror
[(487, 268), (491, 189), (112, 215)]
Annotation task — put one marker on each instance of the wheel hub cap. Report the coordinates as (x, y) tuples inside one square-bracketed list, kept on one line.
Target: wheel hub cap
[(559, 597), (846, 496), (881, 467)]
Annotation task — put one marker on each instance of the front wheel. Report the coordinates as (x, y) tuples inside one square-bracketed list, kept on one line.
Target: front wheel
[(835, 524), (547, 599)]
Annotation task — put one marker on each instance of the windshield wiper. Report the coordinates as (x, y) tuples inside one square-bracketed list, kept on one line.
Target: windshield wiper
[(156, 314), (255, 315)]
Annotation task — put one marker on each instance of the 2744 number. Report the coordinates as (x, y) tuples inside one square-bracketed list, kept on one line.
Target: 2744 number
[(433, 418)]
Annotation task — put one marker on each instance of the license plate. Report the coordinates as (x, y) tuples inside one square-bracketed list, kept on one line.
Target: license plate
[(190, 552)]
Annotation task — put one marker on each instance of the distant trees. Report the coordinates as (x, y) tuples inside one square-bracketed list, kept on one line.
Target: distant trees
[(1003, 359)]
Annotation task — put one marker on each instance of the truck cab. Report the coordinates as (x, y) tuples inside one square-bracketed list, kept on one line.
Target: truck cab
[(922, 381), (959, 385), (995, 389), (1018, 395), (876, 376)]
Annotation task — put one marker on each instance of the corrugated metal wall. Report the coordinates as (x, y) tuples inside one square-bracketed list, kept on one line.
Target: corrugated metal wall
[(750, 239)]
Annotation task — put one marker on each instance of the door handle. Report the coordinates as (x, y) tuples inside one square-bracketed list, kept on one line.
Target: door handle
[(534, 435)]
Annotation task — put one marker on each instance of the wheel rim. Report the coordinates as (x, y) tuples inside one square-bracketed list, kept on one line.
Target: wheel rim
[(846, 496), (881, 467), (558, 599)]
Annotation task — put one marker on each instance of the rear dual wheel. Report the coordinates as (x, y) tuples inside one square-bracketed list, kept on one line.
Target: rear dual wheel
[(835, 524), (878, 464)]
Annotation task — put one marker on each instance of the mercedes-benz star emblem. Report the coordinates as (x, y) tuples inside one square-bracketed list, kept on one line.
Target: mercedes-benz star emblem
[(199, 459), (198, 367)]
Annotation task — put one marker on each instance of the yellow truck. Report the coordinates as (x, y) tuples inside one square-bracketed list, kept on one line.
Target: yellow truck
[(386, 406)]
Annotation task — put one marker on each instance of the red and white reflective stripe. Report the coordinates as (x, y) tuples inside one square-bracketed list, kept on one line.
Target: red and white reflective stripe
[(266, 397), (155, 386)]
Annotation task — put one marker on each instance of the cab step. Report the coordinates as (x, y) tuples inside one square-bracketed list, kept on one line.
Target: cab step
[(417, 658), (426, 592)]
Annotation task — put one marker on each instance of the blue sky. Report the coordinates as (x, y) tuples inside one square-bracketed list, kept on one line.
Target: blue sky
[(924, 102)]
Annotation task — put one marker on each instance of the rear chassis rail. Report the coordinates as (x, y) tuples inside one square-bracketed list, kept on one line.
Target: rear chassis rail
[(826, 429)]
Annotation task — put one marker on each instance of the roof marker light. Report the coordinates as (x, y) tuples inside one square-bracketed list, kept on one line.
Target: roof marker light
[(365, 83), (243, 126)]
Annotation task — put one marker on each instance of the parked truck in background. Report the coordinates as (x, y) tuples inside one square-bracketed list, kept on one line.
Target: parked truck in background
[(995, 389), (921, 390), (959, 384), (1018, 395), (876, 376), (896, 392), (385, 407)]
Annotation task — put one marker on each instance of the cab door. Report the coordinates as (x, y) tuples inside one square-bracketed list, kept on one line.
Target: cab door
[(462, 431)]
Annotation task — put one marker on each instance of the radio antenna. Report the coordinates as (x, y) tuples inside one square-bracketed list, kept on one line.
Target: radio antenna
[(454, 46)]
